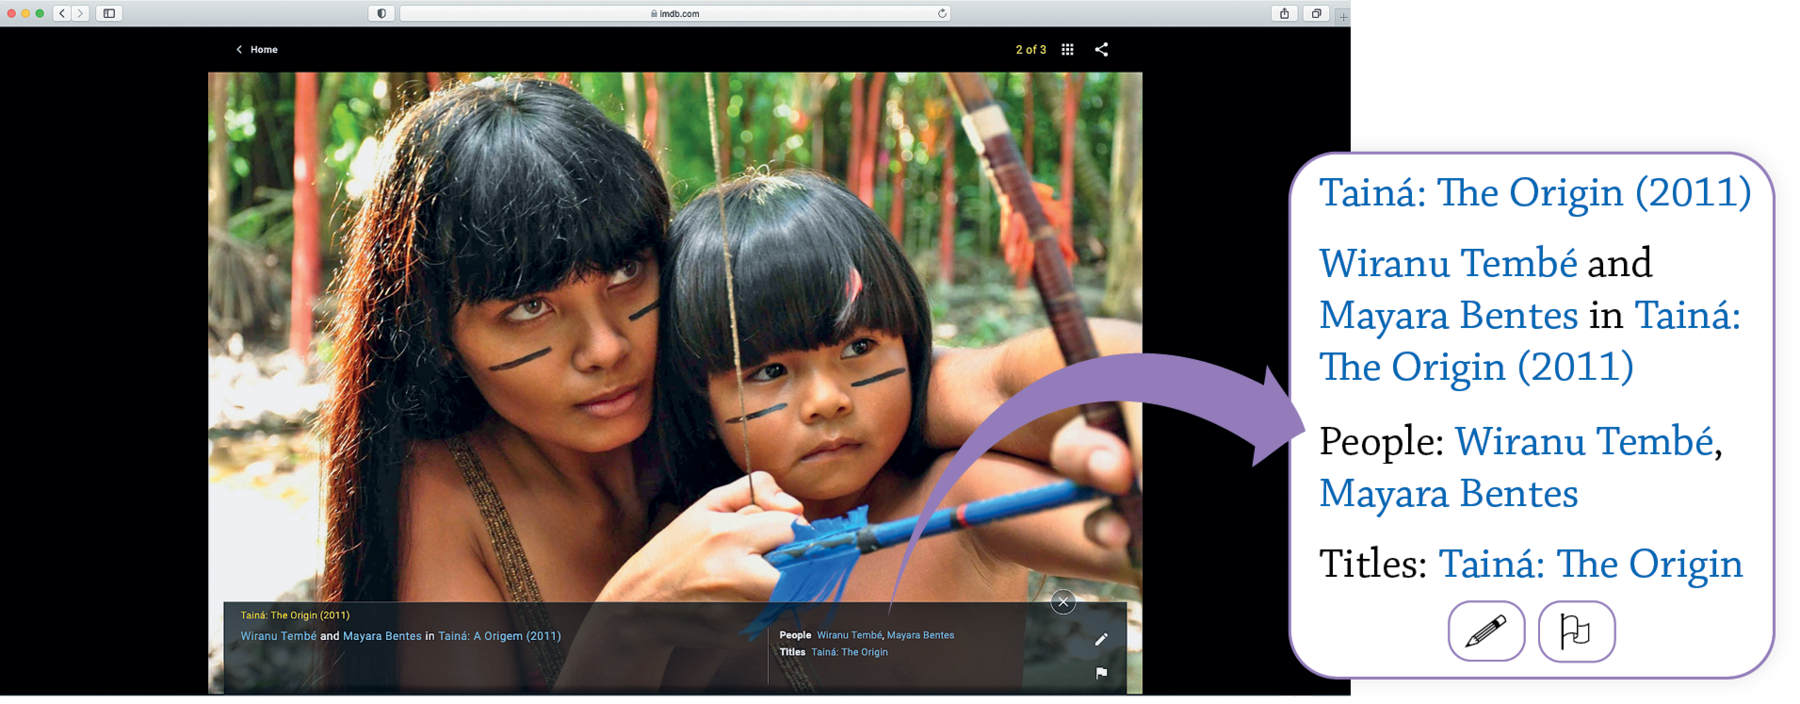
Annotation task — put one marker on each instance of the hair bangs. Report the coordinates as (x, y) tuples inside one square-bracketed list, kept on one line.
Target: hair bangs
[(534, 190)]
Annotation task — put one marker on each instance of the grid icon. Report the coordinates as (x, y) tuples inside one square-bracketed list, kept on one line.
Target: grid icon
[(1068, 49)]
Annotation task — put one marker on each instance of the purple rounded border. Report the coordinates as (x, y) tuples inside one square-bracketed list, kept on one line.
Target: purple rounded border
[(1450, 636), (1615, 636), (1773, 371)]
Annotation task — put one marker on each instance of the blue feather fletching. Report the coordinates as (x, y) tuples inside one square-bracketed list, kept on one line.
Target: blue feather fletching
[(814, 567)]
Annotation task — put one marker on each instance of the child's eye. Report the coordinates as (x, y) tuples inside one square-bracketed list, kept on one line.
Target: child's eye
[(528, 310), (769, 373), (858, 348), (626, 273)]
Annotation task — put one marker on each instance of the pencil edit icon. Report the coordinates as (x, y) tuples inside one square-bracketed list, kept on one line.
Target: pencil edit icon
[(1486, 630)]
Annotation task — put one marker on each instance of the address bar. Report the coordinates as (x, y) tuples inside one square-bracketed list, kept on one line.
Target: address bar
[(690, 13)]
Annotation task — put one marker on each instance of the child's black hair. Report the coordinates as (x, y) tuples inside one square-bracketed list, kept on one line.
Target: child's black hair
[(796, 238)]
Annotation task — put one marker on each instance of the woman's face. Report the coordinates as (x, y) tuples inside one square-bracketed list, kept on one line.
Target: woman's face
[(572, 366), (822, 421)]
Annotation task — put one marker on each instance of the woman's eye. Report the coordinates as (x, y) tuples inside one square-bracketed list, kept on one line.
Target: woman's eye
[(858, 348), (626, 273), (528, 310), (769, 373)]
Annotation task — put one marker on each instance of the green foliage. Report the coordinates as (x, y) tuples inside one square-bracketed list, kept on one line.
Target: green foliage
[(270, 224), (763, 114)]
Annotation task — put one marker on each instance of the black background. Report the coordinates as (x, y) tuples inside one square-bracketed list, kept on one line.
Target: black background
[(109, 526)]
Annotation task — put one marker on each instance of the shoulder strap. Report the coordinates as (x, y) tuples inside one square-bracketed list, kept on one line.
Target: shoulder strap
[(521, 587)]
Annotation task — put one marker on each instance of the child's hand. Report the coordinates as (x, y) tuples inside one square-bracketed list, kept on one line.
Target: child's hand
[(1100, 459)]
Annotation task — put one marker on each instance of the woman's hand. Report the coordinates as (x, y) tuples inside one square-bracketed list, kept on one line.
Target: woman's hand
[(714, 550), (1100, 459), (968, 385)]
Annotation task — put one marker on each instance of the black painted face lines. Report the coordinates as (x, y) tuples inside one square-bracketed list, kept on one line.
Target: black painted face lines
[(879, 377), (646, 309), (503, 367), (519, 361), (758, 414)]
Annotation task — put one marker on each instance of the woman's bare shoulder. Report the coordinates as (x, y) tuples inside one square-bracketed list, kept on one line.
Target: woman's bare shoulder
[(442, 557), (432, 488), (431, 471)]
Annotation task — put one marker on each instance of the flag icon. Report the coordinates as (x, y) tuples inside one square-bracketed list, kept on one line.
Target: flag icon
[(1576, 632)]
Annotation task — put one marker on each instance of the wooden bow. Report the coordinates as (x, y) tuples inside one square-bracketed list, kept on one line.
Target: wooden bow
[(988, 131)]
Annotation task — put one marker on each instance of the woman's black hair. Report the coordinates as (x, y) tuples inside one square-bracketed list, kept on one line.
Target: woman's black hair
[(489, 190), (796, 238)]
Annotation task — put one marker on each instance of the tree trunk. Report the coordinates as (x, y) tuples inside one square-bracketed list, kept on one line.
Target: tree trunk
[(881, 161), (853, 170), (947, 207), (1125, 262), (263, 166), (744, 125), (820, 85), (306, 214), (1091, 185), (770, 144), (872, 137), (653, 122), (818, 126), (665, 143), (329, 181), (897, 182), (897, 196), (218, 184), (1071, 97), (1029, 145), (432, 81), (269, 92), (897, 211), (988, 244), (631, 105)]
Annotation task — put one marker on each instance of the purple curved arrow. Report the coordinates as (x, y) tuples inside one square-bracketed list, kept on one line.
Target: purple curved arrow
[(1260, 413)]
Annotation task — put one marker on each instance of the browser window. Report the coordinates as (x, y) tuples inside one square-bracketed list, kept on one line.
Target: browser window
[(493, 337)]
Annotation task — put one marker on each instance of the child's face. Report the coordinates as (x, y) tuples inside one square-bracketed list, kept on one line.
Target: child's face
[(823, 421), (572, 366)]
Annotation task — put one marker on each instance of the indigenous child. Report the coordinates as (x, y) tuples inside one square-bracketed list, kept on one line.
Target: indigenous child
[(835, 356)]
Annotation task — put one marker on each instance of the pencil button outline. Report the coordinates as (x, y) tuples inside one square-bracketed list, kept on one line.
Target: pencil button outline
[(1452, 641)]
